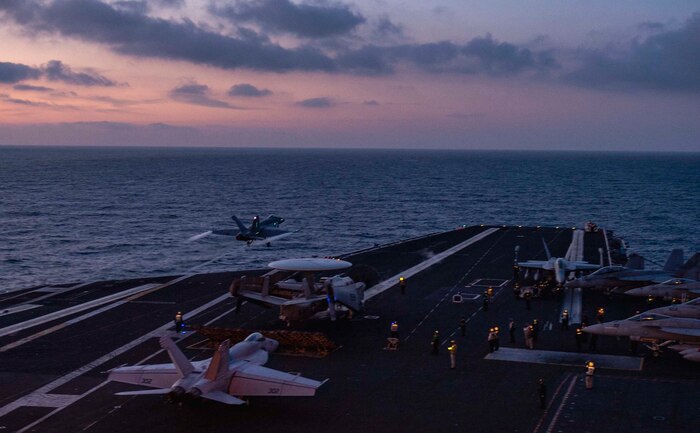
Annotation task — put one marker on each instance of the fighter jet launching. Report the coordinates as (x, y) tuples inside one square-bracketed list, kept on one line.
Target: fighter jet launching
[(229, 374), (657, 329), (675, 288), (557, 265), (266, 230)]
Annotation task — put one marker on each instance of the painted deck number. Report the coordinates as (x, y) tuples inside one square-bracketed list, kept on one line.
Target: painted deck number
[(146, 381), (273, 391)]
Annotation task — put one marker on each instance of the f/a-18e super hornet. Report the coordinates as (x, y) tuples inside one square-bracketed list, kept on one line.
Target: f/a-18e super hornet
[(656, 329), (675, 288), (231, 373), (624, 278), (260, 230), (690, 309), (557, 265)]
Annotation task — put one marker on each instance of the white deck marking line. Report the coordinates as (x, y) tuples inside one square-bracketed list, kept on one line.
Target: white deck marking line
[(27, 399), (72, 310), (551, 402), (42, 289), (449, 293), (561, 405), (392, 281), (73, 321), (18, 308)]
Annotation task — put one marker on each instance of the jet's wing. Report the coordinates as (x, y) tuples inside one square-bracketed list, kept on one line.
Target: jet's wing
[(687, 332), (255, 380), (222, 397), (536, 264), (648, 277), (577, 266), (155, 376), (225, 232)]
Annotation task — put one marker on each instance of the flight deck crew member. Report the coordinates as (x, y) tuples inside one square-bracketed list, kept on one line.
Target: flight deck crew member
[(511, 330), (491, 340), (535, 330), (579, 338), (528, 299), (542, 391), (453, 354), (394, 329), (463, 326), (565, 320), (527, 332), (402, 285), (497, 341), (590, 369), (486, 302), (435, 343), (593, 343), (179, 324)]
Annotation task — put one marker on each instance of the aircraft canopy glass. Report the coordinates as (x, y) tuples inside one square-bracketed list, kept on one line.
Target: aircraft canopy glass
[(255, 336), (645, 317), (608, 269), (676, 281)]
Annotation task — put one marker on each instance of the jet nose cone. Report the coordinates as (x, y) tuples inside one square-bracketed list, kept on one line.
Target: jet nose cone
[(598, 329), (635, 292)]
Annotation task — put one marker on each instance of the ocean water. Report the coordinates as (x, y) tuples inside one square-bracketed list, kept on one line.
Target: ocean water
[(83, 214)]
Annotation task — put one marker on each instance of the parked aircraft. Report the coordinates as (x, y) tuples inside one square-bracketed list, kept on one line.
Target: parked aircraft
[(266, 230), (557, 265), (292, 287), (690, 309), (624, 278), (231, 373), (675, 288), (657, 329)]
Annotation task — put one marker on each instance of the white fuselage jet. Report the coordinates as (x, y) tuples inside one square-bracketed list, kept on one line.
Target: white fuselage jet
[(231, 373)]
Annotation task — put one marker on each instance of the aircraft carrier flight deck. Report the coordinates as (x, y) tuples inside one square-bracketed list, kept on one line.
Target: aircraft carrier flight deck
[(58, 342)]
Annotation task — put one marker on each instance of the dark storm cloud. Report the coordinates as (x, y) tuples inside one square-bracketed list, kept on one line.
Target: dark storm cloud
[(666, 60), (139, 7), (248, 90), (283, 16), (30, 88), (316, 103), (56, 70), (482, 55), (143, 36), (16, 72), (197, 94)]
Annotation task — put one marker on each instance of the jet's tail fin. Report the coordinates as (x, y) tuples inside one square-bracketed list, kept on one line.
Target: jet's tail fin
[(255, 225), (240, 225), (674, 261), (546, 249), (691, 268), (635, 261), (182, 364), (219, 362)]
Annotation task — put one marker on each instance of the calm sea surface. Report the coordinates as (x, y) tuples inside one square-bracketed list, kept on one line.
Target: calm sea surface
[(82, 214)]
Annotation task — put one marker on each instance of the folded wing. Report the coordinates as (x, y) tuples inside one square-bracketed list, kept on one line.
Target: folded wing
[(255, 380)]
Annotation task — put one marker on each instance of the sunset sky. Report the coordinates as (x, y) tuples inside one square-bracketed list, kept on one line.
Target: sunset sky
[(570, 75)]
